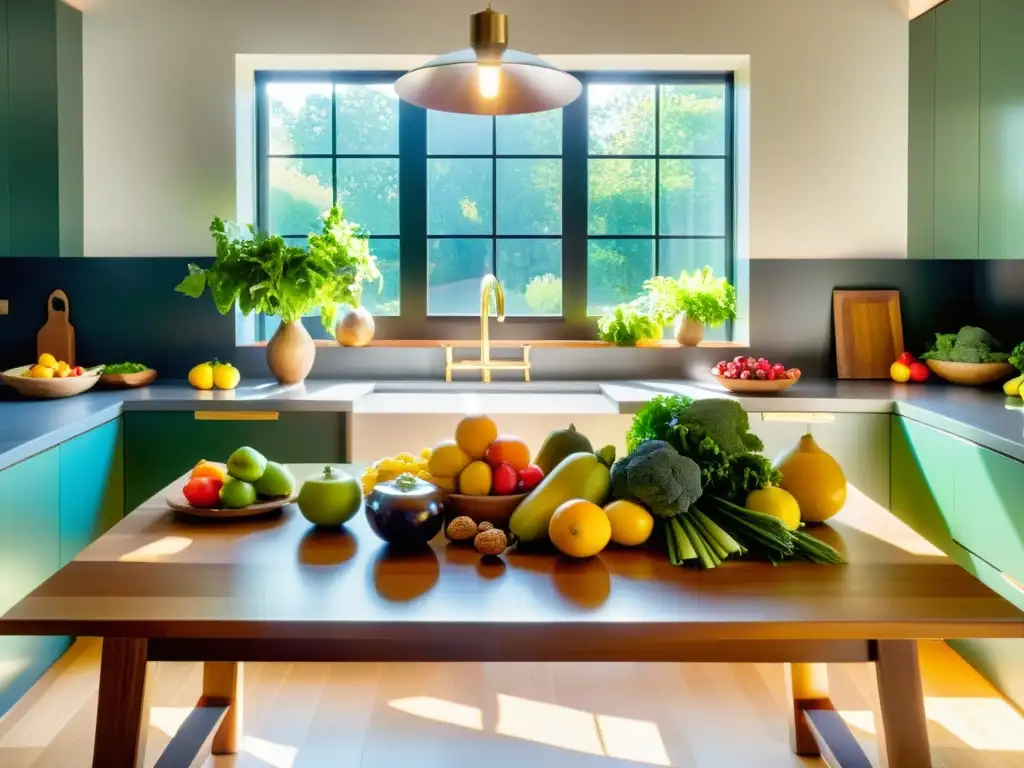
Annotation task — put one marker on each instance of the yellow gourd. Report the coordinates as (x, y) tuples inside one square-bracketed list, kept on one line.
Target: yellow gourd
[(814, 478)]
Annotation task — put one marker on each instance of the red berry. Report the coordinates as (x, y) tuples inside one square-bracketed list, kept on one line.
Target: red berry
[(739, 359), (751, 362), (770, 375), (745, 374), (760, 373), (764, 365), (778, 369)]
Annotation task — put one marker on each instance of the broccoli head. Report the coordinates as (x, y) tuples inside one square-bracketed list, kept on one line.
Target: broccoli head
[(724, 421), (971, 336), (969, 345), (657, 476)]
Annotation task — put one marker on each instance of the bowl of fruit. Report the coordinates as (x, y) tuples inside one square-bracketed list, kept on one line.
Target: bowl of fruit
[(246, 485), (51, 378), (754, 375)]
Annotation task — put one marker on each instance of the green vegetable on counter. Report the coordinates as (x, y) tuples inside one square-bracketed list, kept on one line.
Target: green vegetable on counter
[(969, 345), (627, 324), (124, 368), (1016, 358)]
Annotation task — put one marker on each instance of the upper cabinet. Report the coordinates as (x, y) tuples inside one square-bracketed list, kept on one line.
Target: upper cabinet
[(41, 205), (967, 131)]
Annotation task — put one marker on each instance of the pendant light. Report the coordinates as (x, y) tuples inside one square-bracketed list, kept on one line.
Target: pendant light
[(488, 78)]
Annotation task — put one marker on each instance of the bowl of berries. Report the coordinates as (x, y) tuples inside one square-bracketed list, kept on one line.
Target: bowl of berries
[(754, 375)]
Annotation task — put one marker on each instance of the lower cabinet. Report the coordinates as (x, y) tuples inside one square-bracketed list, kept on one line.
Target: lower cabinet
[(29, 554), (922, 495), (162, 446)]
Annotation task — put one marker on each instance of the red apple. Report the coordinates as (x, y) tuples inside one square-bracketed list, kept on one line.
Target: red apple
[(504, 480), (918, 371), (529, 478), (906, 359)]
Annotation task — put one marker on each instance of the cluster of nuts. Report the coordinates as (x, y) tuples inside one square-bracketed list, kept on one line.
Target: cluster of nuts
[(487, 540)]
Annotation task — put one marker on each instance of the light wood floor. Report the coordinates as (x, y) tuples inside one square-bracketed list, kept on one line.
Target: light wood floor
[(516, 715)]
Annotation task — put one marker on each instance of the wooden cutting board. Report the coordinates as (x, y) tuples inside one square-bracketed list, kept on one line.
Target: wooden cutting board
[(57, 336), (869, 332)]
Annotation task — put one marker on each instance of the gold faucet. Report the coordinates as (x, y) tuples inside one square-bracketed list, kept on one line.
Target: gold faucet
[(490, 285)]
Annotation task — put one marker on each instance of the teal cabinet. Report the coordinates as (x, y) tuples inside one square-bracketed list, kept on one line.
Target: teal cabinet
[(957, 108), (29, 554), (989, 516), (922, 492), (162, 446), (91, 487), (921, 164), (1002, 130)]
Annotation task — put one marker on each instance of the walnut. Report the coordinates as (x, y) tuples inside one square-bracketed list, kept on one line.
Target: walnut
[(492, 542), (484, 526), (461, 529)]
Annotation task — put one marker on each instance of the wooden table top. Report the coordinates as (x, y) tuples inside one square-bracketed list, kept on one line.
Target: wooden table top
[(156, 575)]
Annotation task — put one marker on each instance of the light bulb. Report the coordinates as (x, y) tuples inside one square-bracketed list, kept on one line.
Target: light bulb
[(489, 80)]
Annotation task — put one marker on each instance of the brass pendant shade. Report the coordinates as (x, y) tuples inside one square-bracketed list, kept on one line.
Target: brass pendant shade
[(488, 78)]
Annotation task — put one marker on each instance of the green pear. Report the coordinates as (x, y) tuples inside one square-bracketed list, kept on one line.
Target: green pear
[(276, 480)]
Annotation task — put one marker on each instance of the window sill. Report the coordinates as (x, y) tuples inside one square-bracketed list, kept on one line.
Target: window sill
[(510, 344)]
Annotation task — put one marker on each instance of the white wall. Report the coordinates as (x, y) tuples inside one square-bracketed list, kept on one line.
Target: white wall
[(829, 102)]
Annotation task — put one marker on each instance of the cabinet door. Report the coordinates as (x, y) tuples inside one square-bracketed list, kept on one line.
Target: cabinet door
[(989, 514), (162, 446), (921, 169), (29, 554), (1002, 130), (922, 489), (957, 108), (91, 487)]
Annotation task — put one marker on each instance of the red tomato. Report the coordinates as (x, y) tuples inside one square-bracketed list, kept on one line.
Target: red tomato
[(530, 478), (77, 371), (906, 358), (504, 480), (918, 371), (203, 492)]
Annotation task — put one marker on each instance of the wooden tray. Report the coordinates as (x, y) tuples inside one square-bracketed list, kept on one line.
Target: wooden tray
[(140, 379), (869, 333), (756, 386), (49, 388), (176, 501)]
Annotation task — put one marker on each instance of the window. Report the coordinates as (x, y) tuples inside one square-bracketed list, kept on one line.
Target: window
[(571, 209)]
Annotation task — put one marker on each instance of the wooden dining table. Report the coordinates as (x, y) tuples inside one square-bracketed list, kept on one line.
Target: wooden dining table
[(163, 587)]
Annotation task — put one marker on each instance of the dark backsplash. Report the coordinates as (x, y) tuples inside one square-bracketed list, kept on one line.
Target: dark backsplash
[(126, 309)]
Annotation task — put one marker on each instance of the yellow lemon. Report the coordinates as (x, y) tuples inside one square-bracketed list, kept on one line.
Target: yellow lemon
[(42, 372), (225, 376), (475, 479), (63, 370), (777, 503), (48, 361), (474, 435), (579, 528), (425, 453), (447, 460), (405, 457), (201, 377), (449, 484), (631, 523)]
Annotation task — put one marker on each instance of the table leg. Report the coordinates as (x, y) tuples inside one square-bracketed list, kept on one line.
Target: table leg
[(806, 688), (222, 681), (900, 717), (122, 717)]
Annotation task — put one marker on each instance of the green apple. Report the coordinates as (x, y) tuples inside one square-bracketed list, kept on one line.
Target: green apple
[(276, 480), (331, 497), (235, 493), (247, 464)]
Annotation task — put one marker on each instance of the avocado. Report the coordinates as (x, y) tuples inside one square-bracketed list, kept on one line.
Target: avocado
[(558, 445)]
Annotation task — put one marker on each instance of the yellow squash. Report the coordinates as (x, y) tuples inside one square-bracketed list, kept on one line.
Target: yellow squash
[(814, 479), (578, 476)]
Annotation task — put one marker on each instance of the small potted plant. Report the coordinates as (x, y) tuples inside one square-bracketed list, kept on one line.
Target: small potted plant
[(694, 300), (262, 273)]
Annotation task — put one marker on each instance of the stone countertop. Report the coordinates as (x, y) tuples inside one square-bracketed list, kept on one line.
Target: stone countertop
[(985, 417)]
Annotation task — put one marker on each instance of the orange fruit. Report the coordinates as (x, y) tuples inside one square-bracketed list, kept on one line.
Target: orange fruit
[(474, 434), (509, 450), (207, 469), (631, 524), (42, 372), (579, 528)]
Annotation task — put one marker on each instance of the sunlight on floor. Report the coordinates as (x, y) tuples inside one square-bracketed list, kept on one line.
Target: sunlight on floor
[(441, 711), (271, 753), (165, 547), (168, 719), (988, 724), (874, 520)]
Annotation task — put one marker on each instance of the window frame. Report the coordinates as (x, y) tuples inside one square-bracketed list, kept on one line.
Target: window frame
[(413, 323)]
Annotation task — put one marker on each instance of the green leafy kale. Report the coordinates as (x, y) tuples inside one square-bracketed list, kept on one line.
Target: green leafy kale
[(1016, 358), (655, 419)]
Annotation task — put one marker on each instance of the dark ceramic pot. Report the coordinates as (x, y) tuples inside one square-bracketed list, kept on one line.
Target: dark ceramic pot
[(406, 512)]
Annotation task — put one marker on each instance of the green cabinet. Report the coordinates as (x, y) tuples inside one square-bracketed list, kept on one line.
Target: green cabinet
[(91, 487), (1002, 130), (29, 554), (921, 166), (957, 107), (989, 512), (922, 491), (162, 446)]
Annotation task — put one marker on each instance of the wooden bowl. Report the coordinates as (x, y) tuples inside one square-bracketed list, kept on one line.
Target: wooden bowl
[(756, 386), (50, 388), (482, 509), (970, 374), (140, 379)]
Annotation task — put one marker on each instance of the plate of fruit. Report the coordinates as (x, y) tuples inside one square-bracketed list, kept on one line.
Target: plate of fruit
[(754, 375), (247, 485), (51, 378)]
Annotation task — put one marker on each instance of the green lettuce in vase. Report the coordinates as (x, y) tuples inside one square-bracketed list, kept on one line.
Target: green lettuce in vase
[(261, 273)]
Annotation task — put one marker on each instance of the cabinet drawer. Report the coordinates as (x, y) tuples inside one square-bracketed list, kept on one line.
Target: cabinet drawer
[(162, 446), (922, 493), (989, 512)]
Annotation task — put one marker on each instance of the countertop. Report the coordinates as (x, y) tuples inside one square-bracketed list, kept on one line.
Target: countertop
[(985, 417)]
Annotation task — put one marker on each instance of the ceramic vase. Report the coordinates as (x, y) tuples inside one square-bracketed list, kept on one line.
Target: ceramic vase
[(290, 353), (689, 333)]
